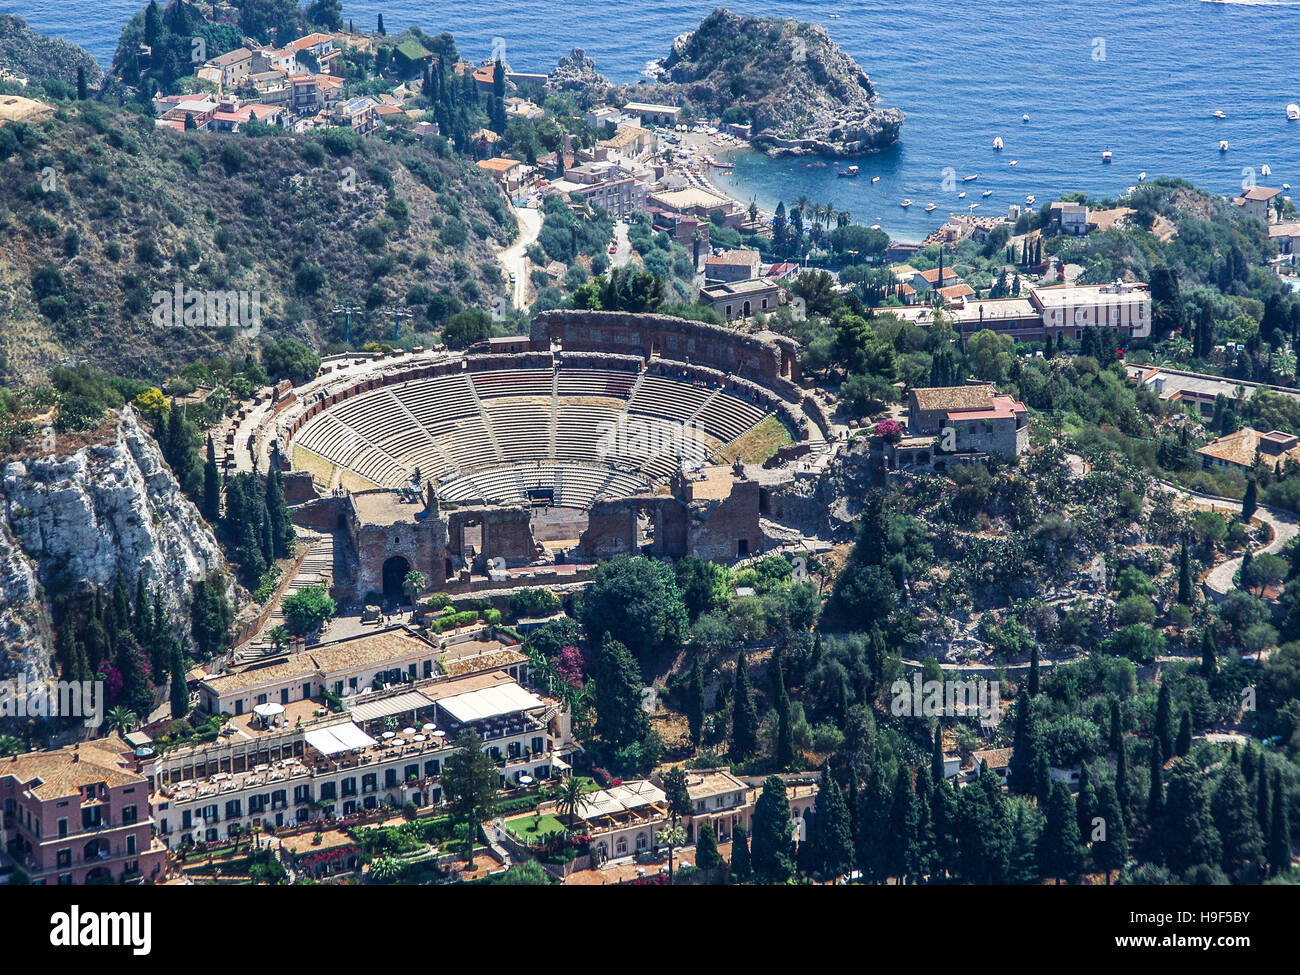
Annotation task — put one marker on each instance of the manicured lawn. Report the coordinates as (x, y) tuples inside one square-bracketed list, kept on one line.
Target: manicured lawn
[(535, 827)]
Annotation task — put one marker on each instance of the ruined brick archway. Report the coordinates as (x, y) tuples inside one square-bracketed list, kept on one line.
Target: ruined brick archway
[(395, 570)]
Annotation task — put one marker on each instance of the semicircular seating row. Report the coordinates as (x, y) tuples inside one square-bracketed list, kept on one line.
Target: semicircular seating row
[(493, 435)]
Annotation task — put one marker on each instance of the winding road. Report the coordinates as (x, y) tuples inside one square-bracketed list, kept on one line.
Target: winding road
[(513, 258), (1283, 523)]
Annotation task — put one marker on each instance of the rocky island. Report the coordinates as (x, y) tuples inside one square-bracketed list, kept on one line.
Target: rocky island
[(800, 92)]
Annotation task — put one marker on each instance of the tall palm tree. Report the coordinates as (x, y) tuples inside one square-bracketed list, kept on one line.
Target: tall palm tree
[(122, 719), (570, 799)]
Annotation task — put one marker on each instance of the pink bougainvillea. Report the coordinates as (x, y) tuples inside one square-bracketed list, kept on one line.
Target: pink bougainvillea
[(570, 665), (891, 430)]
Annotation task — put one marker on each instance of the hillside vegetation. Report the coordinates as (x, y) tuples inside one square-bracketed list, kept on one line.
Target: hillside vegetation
[(100, 211), (38, 59)]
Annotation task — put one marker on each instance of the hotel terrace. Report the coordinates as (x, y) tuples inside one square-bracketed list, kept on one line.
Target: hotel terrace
[(282, 763)]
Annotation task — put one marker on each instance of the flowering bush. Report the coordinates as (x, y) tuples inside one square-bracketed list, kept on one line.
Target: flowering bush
[(325, 861), (570, 666), (891, 430)]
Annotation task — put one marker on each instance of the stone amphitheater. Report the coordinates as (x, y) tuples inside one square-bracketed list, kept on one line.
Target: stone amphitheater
[(598, 433)]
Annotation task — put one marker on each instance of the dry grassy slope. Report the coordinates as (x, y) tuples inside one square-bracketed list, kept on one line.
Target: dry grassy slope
[(119, 180)]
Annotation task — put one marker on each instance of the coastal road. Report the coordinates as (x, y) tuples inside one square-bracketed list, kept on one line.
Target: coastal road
[(513, 258)]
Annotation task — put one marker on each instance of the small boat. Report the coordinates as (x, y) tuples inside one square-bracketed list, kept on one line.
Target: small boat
[(1029, 200), (875, 226), (875, 179), (1286, 186), (1265, 171), (970, 178), (930, 207), (851, 172), (1223, 145), (905, 204), (1025, 117), (988, 193), (961, 195), (1218, 114), (1293, 112), (1142, 176), (997, 144), (1013, 162), (1106, 156)]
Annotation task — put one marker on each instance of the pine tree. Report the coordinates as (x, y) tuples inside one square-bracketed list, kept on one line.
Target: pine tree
[(1164, 729), (1183, 744), (744, 717), (1059, 853), (1279, 830), (1209, 655), (695, 706), (620, 719), (1243, 844), (211, 485), (741, 868), (1110, 850)]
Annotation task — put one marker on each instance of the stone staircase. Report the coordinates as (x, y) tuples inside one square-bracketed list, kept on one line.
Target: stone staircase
[(317, 569)]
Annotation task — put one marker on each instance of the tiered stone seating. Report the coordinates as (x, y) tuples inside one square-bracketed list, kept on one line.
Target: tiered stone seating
[(516, 382), (483, 435)]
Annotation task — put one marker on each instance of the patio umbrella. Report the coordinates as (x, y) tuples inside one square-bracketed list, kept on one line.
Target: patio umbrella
[(389, 734), (408, 731), (430, 726)]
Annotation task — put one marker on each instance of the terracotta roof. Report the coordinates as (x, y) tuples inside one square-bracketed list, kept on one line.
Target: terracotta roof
[(995, 757), (739, 256), (932, 276), (1241, 448), (499, 165), (66, 771), (1259, 193), (953, 398), (953, 291)]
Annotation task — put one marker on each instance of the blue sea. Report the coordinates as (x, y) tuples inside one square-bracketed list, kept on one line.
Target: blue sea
[(1138, 77)]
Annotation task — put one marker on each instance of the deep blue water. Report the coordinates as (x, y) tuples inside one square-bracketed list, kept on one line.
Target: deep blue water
[(1140, 77)]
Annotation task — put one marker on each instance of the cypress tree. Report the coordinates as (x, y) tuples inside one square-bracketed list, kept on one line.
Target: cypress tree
[(1024, 758), (379, 26), (706, 848), (620, 719), (770, 853), (695, 703), (744, 717), (784, 730), (142, 621), (936, 756), (211, 485), (1085, 803), (834, 834), (1209, 655), (1250, 501), (1279, 830), (1164, 730), (1042, 779), (277, 513), (1243, 844), (180, 696), (1183, 744), (1116, 727), (1110, 849), (1033, 671), (871, 828), (82, 92), (902, 827), (1184, 576), (943, 814), (741, 869), (1022, 867), (1059, 853), (1263, 812), (1188, 837), (1156, 795)]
